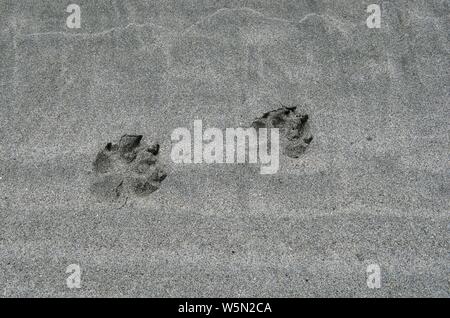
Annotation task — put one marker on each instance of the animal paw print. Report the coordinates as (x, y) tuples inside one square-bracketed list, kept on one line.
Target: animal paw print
[(295, 132), (127, 168)]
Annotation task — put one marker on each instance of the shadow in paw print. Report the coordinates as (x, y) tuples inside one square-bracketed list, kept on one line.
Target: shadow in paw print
[(127, 168), (295, 135)]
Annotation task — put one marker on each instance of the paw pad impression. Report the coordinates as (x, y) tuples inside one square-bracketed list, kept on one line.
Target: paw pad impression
[(129, 167), (295, 135)]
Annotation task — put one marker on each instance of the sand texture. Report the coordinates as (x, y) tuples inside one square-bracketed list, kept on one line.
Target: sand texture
[(363, 178)]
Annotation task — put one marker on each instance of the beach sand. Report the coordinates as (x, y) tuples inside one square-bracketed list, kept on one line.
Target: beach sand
[(372, 187)]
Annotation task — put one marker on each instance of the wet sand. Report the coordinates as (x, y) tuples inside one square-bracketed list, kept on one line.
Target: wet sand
[(371, 188)]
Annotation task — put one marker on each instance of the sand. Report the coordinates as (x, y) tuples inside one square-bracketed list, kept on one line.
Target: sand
[(371, 188)]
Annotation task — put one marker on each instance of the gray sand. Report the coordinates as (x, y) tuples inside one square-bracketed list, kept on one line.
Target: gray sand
[(372, 188)]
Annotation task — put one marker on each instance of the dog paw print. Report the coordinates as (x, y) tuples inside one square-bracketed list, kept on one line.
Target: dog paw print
[(127, 168), (295, 135)]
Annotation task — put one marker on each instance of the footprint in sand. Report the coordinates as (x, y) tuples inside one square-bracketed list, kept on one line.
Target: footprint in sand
[(295, 135), (128, 168)]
